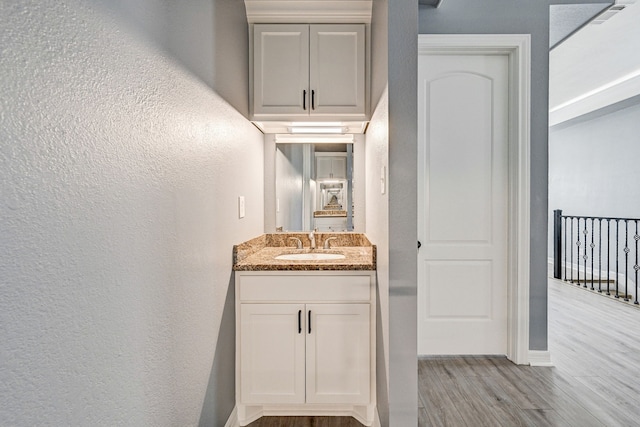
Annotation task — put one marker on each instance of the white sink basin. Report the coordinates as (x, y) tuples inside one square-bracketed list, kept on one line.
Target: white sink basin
[(309, 257)]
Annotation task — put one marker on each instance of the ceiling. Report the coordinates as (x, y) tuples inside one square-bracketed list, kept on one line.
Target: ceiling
[(432, 3), (566, 19), (599, 65)]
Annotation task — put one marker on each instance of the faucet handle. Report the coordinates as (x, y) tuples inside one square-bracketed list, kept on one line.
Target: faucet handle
[(327, 245), (298, 242)]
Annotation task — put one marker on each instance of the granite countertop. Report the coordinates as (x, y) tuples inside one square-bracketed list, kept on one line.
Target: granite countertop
[(330, 213), (259, 254)]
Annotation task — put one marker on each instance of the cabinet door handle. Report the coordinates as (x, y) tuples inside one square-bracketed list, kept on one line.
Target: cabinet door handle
[(309, 321), (299, 321), (304, 100), (313, 99)]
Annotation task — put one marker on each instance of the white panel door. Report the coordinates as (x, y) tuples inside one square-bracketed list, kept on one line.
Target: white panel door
[(272, 353), (338, 353), (337, 73), (463, 204), (281, 69)]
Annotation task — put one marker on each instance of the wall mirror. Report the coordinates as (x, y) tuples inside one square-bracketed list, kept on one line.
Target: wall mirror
[(314, 187)]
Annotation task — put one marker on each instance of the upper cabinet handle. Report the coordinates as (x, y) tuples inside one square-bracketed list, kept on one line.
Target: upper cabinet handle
[(313, 99), (304, 100)]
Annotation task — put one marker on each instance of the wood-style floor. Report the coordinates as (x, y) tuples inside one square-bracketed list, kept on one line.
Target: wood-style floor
[(595, 347), (306, 422)]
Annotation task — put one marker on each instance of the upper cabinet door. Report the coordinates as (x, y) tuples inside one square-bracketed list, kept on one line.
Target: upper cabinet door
[(281, 70), (339, 167), (337, 69)]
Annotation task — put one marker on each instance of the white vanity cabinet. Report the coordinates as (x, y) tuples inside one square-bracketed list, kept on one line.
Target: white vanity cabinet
[(302, 70), (305, 344), (330, 224)]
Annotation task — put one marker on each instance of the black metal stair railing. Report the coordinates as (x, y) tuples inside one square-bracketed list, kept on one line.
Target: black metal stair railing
[(606, 250)]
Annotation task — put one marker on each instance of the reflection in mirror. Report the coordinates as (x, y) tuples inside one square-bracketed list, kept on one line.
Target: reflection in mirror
[(314, 187)]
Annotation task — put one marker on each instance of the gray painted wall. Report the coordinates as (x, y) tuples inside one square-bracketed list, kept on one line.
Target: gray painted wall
[(403, 201), (593, 165), (509, 17), (120, 169)]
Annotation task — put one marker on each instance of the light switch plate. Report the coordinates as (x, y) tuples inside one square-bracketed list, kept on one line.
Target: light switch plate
[(241, 206), (383, 180)]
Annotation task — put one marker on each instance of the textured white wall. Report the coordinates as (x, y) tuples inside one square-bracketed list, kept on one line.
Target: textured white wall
[(359, 183), (377, 212), (377, 205), (377, 221), (289, 179), (119, 177)]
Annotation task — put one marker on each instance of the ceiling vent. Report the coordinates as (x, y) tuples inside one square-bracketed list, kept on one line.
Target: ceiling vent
[(613, 10)]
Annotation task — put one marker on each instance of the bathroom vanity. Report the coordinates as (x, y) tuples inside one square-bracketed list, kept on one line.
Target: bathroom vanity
[(305, 326)]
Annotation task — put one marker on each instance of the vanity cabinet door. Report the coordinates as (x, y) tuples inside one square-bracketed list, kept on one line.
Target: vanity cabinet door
[(281, 70), (272, 353), (337, 69), (338, 353)]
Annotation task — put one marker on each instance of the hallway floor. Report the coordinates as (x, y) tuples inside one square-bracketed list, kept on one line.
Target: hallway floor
[(595, 347)]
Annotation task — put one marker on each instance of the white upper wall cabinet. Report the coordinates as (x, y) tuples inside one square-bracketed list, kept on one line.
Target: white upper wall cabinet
[(315, 70), (308, 11), (331, 166)]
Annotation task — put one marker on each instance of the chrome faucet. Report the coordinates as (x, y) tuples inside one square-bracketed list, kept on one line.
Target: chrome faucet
[(298, 242), (312, 237), (327, 245)]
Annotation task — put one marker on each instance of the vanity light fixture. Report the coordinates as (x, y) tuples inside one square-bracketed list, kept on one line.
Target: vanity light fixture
[(312, 128), (335, 130), (285, 138)]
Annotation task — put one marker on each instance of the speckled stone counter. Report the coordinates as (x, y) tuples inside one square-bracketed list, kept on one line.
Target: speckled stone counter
[(259, 254), (329, 213)]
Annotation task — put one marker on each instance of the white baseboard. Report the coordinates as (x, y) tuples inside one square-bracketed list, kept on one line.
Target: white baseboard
[(540, 358), (233, 418), (376, 420)]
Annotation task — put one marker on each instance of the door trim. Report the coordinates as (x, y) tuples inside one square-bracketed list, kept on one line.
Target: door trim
[(518, 49)]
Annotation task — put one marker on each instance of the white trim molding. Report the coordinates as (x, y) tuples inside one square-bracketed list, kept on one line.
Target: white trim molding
[(518, 48), (540, 358), (615, 91), (232, 421), (308, 11)]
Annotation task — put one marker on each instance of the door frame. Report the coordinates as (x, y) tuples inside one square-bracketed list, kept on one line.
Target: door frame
[(518, 49)]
